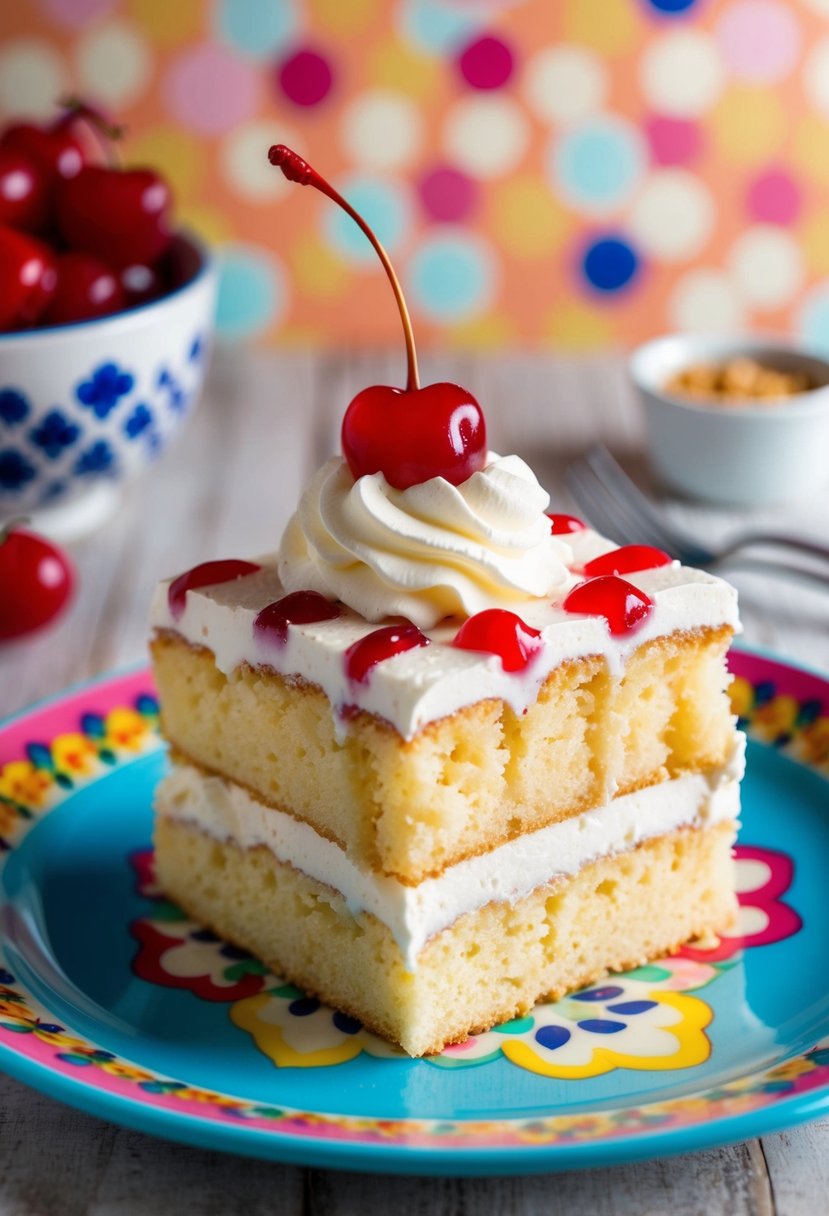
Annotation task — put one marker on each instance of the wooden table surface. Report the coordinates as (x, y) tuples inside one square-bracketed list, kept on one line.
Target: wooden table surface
[(226, 489)]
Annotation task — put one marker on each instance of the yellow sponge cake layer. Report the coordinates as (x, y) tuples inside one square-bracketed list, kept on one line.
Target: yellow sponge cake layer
[(490, 965), (466, 782)]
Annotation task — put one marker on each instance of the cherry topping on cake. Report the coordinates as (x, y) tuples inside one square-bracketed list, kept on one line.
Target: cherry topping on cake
[(497, 631), (362, 657), (409, 435), (298, 608), (627, 559), (561, 524), (208, 574), (623, 606)]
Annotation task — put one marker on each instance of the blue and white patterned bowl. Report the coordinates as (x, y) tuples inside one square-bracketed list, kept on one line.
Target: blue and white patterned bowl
[(91, 403)]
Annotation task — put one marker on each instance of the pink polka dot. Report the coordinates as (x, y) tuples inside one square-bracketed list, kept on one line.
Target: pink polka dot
[(447, 194), (774, 198), (759, 39), (209, 90), (673, 141), (486, 63), (75, 13), (305, 78)]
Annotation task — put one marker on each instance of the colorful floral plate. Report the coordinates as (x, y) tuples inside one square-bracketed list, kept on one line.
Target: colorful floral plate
[(111, 1000)]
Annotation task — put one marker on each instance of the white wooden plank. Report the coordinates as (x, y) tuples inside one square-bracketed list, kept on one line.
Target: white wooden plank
[(798, 1166)]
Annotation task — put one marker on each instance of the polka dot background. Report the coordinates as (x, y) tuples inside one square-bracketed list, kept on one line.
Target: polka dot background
[(570, 175)]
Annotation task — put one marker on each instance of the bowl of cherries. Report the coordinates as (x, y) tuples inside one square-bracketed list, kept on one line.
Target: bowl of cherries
[(106, 316)]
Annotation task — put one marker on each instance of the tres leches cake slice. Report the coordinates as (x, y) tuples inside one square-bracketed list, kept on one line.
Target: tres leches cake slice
[(444, 755)]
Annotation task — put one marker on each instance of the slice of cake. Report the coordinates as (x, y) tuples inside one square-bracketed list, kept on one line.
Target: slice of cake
[(444, 755)]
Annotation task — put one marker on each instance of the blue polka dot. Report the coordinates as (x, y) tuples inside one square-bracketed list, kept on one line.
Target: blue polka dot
[(385, 208), (671, 7), (303, 1007), (601, 1026), (451, 278), (346, 1024), (813, 321), (552, 1037), (628, 1007), (597, 165), (610, 264), (438, 26), (258, 30), (251, 291), (599, 994)]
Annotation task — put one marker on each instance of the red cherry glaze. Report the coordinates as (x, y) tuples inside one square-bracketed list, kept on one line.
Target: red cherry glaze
[(628, 559), (623, 606), (24, 195), (120, 215), (86, 287), (496, 631), (374, 648), (562, 524), (27, 278), (208, 574), (298, 608), (410, 436)]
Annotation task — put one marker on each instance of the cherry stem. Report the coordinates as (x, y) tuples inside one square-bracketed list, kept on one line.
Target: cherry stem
[(298, 170), (107, 133), (6, 529)]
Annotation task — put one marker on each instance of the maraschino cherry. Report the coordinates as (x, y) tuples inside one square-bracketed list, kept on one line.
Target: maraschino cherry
[(622, 605), (561, 524), (298, 608), (86, 288), (497, 631), (119, 215), (409, 435), (362, 657), (627, 559), (208, 574), (24, 197), (27, 278)]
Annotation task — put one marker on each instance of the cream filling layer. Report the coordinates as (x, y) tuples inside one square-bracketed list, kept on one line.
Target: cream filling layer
[(508, 873)]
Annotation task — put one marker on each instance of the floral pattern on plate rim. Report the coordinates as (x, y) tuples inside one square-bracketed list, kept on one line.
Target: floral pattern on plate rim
[(27, 1028)]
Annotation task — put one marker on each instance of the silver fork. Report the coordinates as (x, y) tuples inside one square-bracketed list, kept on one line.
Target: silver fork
[(619, 509)]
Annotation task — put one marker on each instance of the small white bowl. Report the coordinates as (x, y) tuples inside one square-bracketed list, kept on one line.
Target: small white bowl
[(747, 454), (85, 407)]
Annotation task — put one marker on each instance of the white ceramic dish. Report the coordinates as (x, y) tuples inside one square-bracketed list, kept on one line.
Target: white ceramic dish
[(84, 407), (746, 454)]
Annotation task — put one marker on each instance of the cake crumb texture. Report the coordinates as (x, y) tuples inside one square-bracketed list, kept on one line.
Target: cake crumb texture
[(465, 783), (491, 965)]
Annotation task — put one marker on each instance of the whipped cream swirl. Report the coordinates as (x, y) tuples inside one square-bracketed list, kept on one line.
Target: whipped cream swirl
[(430, 551)]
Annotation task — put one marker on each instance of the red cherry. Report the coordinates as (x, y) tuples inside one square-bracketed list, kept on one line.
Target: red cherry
[(562, 524), (362, 657), (496, 631), (37, 581), (140, 284), (120, 215), (27, 278), (412, 435), (298, 608), (55, 150), (623, 606), (24, 195), (208, 574), (628, 559), (408, 435), (86, 288)]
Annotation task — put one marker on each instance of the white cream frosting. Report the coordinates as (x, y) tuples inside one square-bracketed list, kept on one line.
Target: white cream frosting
[(431, 551), (507, 873), (427, 683)]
